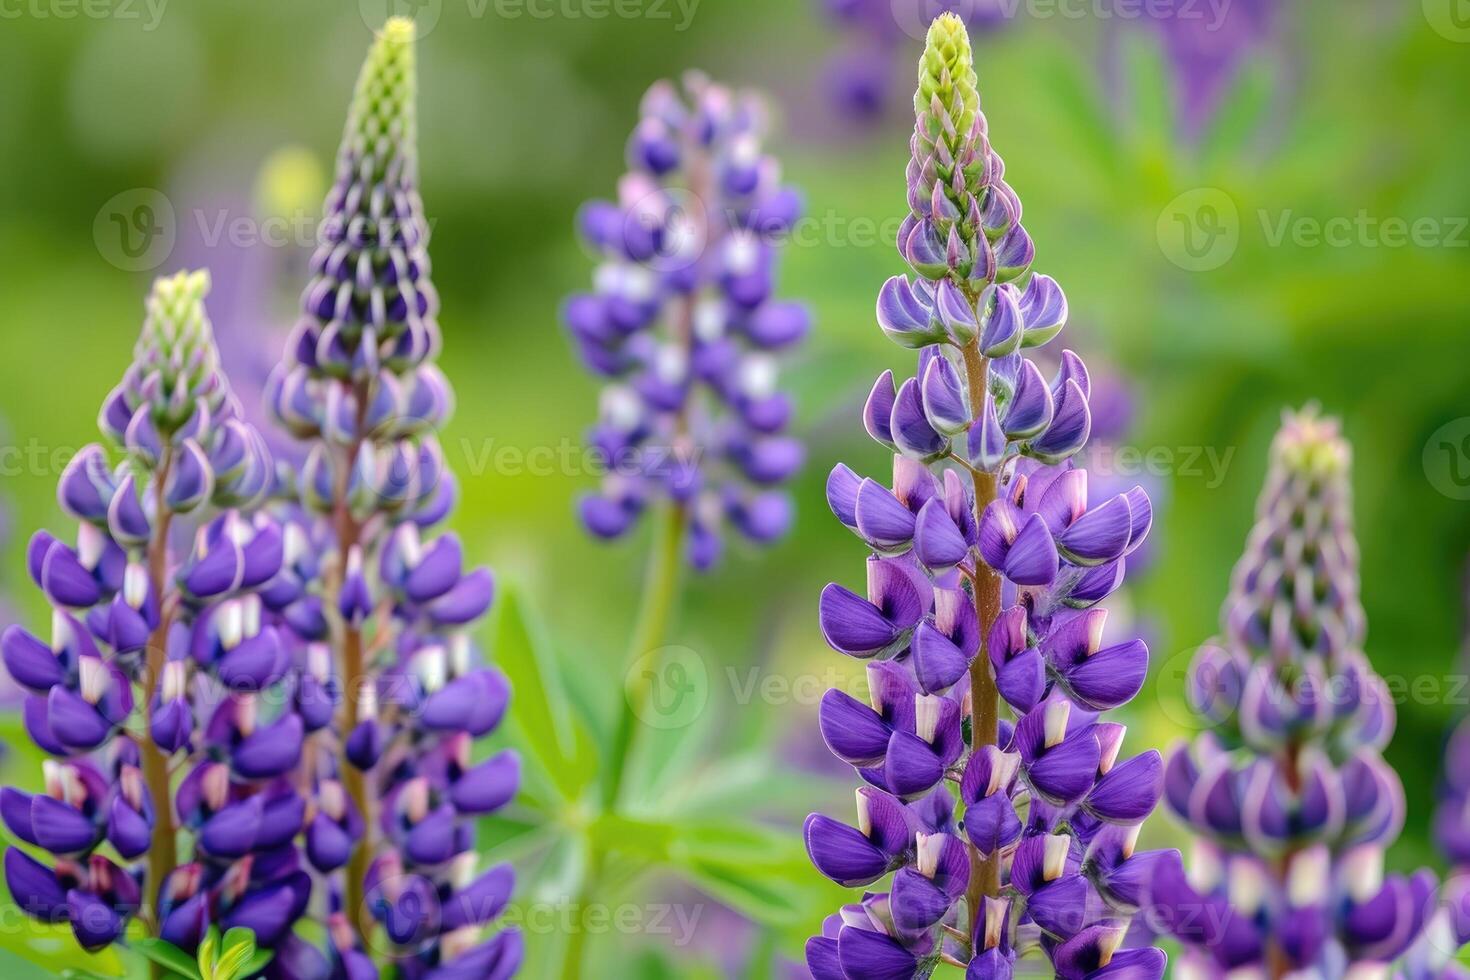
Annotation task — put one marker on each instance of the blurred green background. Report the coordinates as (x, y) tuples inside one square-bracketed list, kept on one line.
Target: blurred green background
[(1351, 121)]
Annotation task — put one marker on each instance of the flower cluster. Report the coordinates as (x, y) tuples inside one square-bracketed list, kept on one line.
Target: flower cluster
[(156, 662), (1291, 803), (861, 74), (376, 608), (988, 563), (683, 323)]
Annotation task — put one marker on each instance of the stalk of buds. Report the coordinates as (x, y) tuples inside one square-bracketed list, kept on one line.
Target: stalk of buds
[(156, 663), (683, 323), (1287, 793), (1002, 834), (377, 608)]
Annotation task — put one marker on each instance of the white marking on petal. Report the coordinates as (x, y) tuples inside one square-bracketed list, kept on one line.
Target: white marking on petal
[(459, 654), (91, 544), (135, 585), (929, 847), (864, 817), (875, 688), (758, 376), (621, 407), (1306, 881), (709, 320), (246, 713), (1205, 868), (1058, 713), (1247, 885), (997, 917), (230, 621), (926, 715), (173, 681), (1362, 872), (92, 678), (431, 666), (1054, 856)]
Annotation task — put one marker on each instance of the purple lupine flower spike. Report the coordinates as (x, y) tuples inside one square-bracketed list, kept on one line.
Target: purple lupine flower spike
[(376, 609), (1289, 798), (989, 559), (684, 323), (146, 638)]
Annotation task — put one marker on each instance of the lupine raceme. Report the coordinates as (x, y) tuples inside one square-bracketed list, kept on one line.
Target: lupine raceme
[(379, 609), (997, 808), (157, 655), (1289, 798), (684, 324)]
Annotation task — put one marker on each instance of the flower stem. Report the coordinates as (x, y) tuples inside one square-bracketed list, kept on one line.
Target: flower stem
[(661, 589), (163, 847), (354, 675), (984, 699)]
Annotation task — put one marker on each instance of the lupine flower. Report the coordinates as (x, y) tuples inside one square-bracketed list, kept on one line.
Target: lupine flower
[(684, 324), (155, 661), (377, 610), (996, 835), (864, 74), (1207, 49), (1289, 798)]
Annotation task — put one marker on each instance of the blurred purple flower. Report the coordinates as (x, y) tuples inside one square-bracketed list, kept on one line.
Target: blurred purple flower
[(1287, 793), (683, 323)]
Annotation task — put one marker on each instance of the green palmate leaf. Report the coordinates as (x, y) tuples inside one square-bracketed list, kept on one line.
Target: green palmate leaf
[(556, 743), (761, 872), (257, 962), (208, 950), (15, 968), (237, 950), (52, 948), (168, 955)]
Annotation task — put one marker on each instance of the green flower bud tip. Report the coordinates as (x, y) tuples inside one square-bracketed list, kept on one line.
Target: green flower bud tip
[(947, 73), (176, 332), (1312, 446), (381, 123)]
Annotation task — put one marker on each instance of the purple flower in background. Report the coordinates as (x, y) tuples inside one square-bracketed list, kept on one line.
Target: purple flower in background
[(684, 324), (998, 807), (376, 609), (864, 75), (1290, 800), (155, 662), (1206, 47)]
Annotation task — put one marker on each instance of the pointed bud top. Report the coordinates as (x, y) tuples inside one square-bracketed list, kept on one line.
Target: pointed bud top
[(175, 327), (947, 77), (381, 120), (1311, 445)]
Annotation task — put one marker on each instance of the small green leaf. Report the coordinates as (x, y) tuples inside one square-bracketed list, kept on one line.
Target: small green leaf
[(258, 962), (237, 950), (168, 955), (208, 951), (555, 740)]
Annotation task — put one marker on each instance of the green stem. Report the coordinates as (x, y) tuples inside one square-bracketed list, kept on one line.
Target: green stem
[(660, 592)]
